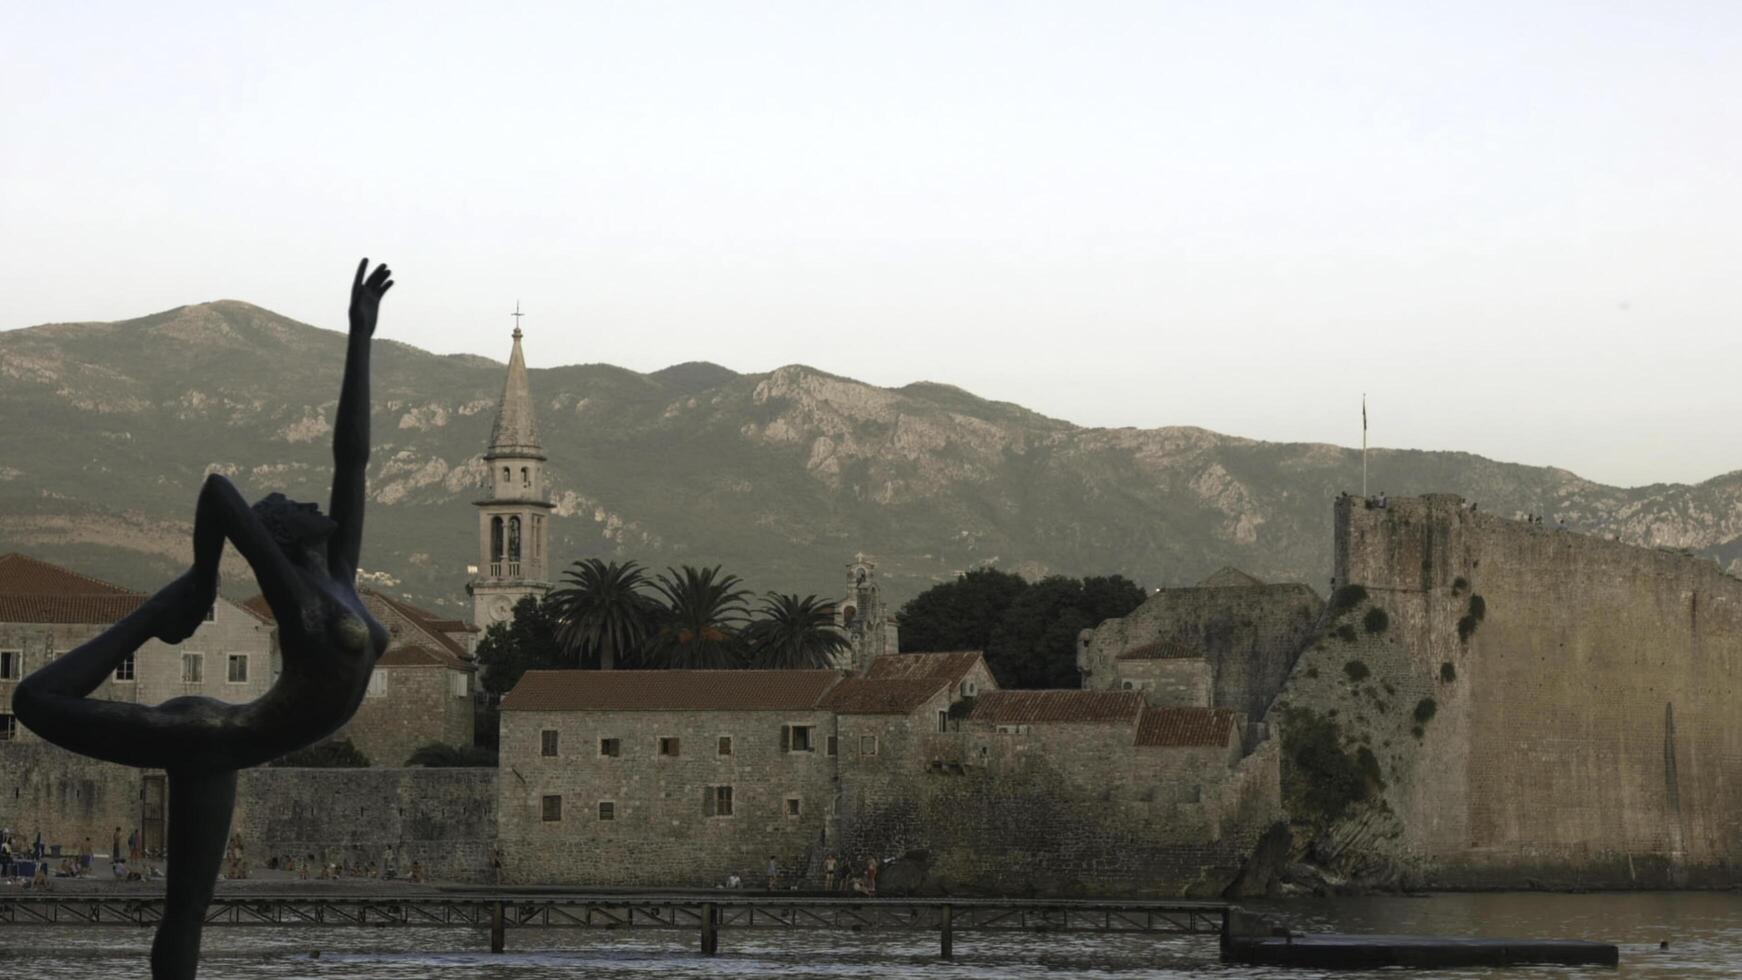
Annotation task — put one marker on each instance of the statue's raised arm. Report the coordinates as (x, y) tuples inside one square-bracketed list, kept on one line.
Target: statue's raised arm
[(351, 428)]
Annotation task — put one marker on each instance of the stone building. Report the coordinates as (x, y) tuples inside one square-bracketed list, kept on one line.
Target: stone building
[(46, 610), (514, 514), (686, 777), (870, 626), (632, 777), (1231, 632), (421, 689)]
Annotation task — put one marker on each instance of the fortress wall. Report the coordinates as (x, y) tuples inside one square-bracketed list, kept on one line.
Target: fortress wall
[(1590, 737), (66, 797), (1249, 635), (444, 818), (1047, 812)]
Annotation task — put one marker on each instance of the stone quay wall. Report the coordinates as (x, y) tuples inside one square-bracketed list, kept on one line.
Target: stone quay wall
[(443, 818), (1586, 697)]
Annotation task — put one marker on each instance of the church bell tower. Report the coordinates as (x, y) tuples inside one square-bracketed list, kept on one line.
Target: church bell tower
[(513, 516)]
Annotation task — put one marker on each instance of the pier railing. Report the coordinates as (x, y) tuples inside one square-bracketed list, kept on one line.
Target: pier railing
[(706, 915)]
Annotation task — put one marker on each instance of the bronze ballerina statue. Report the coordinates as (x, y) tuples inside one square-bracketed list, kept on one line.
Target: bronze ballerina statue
[(306, 564)]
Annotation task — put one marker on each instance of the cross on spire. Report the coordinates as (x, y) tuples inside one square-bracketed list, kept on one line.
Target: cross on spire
[(517, 315)]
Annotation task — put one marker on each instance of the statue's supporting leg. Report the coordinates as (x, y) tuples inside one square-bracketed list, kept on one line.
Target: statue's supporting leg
[(200, 806)]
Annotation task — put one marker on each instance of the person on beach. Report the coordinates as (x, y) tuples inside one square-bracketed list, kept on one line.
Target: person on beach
[(306, 565), (829, 872), (871, 874), (773, 872)]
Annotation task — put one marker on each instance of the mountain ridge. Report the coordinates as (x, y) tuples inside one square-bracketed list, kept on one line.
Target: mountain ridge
[(783, 475)]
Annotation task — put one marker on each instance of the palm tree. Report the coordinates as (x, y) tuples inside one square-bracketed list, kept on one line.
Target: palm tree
[(603, 613), (794, 634), (703, 616)]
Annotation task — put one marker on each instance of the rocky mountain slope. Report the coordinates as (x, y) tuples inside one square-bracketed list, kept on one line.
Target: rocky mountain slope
[(783, 476)]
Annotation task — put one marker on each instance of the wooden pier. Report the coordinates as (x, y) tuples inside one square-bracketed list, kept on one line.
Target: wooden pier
[(704, 914)]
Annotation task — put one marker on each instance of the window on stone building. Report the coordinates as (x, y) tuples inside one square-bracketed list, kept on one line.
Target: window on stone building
[(717, 801), (212, 613), (1013, 729), (458, 685), (797, 738), (553, 809), (970, 688), (834, 744), (124, 671), (943, 721), (792, 806), (11, 665), (237, 668), (612, 747), (547, 743), (8, 726), (668, 745), (867, 745), (607, 810), (377, 684), (725, 745), (193, 668)]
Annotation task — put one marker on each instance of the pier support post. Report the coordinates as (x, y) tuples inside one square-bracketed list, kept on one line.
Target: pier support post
[(948, 943), (710, 929), (498, 928)]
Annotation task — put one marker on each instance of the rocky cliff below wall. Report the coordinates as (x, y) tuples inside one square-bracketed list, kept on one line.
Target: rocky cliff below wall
[(1526, 706)]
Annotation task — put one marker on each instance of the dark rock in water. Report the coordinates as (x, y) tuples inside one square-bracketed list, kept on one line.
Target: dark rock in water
[(1262, 872), (1337, 952)]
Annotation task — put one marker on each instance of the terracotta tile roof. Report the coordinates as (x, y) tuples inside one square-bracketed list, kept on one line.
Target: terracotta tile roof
[(24, 575), (34, 591), (877, 696), (950, 667), (1069, 706), (1229, 577), (1185, 727), (412, 655), (427, 622), (66, 608), (1160, 650), (669, 690), (257, 605)]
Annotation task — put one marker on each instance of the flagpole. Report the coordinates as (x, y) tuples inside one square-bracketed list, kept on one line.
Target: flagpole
[(1363, 444)]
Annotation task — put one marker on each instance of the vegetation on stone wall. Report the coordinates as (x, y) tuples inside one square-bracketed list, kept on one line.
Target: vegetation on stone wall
[(1347, 598), (333, 754), (440, 755), (1468, 622), (1448, 673), (1425, 709), (1320, 780), (1027, 630), (1357, 671), (1376, 620)]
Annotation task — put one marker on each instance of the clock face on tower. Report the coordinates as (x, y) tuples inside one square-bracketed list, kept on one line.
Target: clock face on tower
[(500, 608)]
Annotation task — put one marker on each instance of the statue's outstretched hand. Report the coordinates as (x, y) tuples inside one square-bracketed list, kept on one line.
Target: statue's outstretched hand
[(180, 607), (366, 296)]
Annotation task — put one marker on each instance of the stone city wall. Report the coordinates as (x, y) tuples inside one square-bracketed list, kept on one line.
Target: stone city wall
[(1585, 698), (417, 705)]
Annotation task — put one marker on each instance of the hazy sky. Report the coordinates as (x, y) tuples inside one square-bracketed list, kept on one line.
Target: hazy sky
[(1517, 226)]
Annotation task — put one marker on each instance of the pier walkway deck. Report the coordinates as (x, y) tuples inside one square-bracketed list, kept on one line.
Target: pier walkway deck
[(704, 913)]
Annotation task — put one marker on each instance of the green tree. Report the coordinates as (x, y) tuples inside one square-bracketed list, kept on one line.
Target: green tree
[(603, 614), (959, 615), (1035, 643), (331, 754), (705, 611), (440, 755), (527, 642), (790, 633)]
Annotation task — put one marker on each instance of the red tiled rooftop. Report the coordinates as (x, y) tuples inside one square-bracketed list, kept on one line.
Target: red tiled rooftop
[(412, 655), (877, 696), (24, 575), (1068, 706), (669, 690), (1185, 727), (950, 667), (34, 591), (1160, 650)]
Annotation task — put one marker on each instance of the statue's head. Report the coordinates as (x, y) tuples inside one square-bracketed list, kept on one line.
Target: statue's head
[(296, 526)]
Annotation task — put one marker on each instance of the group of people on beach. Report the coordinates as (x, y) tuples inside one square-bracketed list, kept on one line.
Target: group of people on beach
[(34, 867), (838, 875)]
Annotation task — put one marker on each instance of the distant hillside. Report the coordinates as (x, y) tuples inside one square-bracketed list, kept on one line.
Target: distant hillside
[(782, 476)]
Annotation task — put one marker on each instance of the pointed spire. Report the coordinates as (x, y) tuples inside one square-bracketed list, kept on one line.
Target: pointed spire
[(516, 431)]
